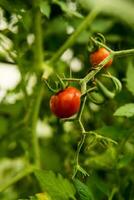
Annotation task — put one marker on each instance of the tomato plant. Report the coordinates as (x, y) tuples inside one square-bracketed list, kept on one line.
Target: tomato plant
[(58, 142)]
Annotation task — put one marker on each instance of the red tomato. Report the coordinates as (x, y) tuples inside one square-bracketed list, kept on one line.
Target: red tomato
[(98, 56), (66, 102)]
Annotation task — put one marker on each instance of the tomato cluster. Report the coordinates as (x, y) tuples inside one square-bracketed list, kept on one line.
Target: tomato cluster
[(66, 103)]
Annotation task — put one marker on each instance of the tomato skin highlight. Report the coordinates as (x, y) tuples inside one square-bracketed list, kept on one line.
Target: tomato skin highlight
[(66, 102), (98, 56)]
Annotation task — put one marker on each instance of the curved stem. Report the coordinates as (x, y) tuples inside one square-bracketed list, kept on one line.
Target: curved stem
[(19, 176), (114, 191), (89, 90), (80, 144), (86, 22), (101, 44)]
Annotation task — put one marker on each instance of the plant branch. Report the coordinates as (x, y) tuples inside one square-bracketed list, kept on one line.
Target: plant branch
[(34, 115), (91, 74), (86, 22), (101, 44), (71, 79), (114, 191), (38, 92), (123, 53), (83, 135), (19, 176), (38, 48)]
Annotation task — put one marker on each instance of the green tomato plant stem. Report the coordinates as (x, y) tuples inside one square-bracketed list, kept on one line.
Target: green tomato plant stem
[(71, 79), (83, 135), (121, 53), (38, 41), (16, 178), (114, 53), (91, 74), (35, 157), (114, 191), (96, 42), (38, 92), (70, 41)]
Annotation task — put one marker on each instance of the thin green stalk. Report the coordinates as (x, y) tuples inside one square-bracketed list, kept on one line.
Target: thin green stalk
[(38, 49), (38, 93), (114, 191), (79, 147), (124, 52), (86, 22), (101, 44), (80, 144), (80, 114), (89, 90), (71, 79), (19, 176), (35, 113)]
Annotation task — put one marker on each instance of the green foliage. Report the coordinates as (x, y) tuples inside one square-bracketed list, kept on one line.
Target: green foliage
[(56, 186), (45, 8), (83, 191), (125, 110)]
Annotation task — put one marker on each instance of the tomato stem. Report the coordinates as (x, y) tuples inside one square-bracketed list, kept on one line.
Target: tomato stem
[(38, 92), (83, 135), (89, 90), (49, 87), (123, 53), (16, 178), (100, 44), (61, 82), (70, 41), (72, 79), (92, 73)]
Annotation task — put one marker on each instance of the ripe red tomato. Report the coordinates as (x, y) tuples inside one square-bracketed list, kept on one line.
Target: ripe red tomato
[(66, 102), (98, 56)]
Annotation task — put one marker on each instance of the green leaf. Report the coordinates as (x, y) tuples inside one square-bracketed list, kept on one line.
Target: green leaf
[(58, 187), (83, 191), (65, 8), (27, 20), (130, 78), (45, 8), (125, 111), (105, 160)]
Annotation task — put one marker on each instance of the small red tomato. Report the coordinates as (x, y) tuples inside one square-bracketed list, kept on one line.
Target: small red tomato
[(66, 102), (98, 56)]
